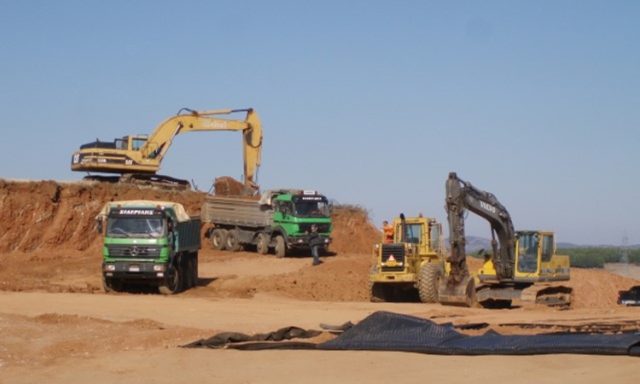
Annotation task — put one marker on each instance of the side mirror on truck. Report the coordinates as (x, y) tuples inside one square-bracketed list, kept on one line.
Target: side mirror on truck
[(99, 225)]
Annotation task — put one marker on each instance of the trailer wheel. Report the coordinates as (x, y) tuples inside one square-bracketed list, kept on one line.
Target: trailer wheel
[(218, 239), (173, 281), (262, 245), (281, 247), (233, 241)]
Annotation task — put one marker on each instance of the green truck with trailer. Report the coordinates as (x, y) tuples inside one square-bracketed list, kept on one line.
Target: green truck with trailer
[(280, 220), (149, 242)]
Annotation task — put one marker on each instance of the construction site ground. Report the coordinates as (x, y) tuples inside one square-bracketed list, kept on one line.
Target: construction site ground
[(58, 326)]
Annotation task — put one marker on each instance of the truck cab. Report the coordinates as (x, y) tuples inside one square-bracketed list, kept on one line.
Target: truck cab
[(295, 213), (151, 243)]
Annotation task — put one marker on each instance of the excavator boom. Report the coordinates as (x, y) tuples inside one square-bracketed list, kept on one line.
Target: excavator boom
[(143, 155)]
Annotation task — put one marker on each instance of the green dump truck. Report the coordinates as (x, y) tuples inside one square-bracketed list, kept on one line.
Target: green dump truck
[(281, 220), (149, 242)]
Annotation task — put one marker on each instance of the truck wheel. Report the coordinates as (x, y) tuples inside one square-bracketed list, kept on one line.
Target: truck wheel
[(281, 247), (428, 278), (218, 239), (195, 268), (262, 245), (233, 241), (187, 267), (111, 285), (172, 282)]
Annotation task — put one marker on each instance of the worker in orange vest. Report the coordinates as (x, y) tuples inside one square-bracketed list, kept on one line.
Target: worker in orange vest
[(387, 230)]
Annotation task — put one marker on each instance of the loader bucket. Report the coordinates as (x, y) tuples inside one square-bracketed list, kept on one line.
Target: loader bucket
[(461, 294)]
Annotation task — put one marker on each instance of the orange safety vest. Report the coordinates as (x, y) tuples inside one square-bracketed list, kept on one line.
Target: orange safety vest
[(388, 233)]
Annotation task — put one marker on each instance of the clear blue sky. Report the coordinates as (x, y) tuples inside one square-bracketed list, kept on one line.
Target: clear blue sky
[(370, 102)]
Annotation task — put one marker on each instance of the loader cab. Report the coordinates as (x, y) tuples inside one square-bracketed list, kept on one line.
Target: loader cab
[(424, 232)]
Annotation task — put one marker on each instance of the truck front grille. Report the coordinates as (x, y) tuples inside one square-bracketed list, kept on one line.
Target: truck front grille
[(322, 228), (137, 251), (395, 250)]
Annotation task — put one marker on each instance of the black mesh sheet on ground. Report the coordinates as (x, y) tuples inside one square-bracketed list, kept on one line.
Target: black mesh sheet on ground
[(385, 331)]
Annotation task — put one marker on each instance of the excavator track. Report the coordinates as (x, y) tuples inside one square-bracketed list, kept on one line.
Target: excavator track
[(551, 295), (160, 181)]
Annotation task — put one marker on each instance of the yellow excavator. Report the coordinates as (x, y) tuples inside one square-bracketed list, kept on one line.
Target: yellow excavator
[(523, 266), (138, 157)]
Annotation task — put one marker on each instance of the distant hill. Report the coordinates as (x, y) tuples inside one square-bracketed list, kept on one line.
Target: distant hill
[(476, 243)]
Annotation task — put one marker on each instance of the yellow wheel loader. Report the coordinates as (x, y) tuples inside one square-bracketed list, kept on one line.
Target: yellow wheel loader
[(410, 265)]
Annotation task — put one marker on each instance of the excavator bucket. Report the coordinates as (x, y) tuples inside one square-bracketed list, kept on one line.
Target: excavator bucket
[(461, 294)]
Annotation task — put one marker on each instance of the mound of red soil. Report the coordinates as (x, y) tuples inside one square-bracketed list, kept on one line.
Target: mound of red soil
[(353, 232), (56, 216), (228, 186), (49, 215)]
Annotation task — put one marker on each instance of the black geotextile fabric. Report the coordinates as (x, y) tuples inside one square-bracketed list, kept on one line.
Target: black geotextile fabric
[(226, 339), (385, 331)]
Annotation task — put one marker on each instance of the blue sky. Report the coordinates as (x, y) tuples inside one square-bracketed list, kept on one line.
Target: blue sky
[(370, 102)]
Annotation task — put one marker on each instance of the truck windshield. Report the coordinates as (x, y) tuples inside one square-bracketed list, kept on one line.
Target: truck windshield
[(152, 227), (310, 208)]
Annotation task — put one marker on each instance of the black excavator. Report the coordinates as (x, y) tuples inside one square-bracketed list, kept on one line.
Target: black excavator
[(522, 266)]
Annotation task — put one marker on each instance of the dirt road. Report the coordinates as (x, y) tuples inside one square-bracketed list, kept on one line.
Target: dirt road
[(69, 337)]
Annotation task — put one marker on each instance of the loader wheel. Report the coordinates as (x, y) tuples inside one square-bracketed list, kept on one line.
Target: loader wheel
[(428, 282), (281, 247), (233, 241), (219, 239), (262, 245), (378, 292), (173, 281)]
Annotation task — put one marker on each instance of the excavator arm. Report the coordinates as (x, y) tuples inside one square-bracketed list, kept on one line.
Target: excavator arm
[(458, 286), (461, 195), (161, 138)]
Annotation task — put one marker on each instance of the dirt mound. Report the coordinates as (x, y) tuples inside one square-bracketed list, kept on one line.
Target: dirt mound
[(49, 215), (597, 288), (353, 232), (60, 216), (228, 186)]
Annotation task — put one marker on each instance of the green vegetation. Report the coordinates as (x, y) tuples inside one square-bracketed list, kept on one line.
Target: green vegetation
[(596, 257)]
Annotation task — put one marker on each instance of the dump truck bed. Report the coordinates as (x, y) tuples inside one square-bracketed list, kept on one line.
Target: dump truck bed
[(188, 235), (236, 211)]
